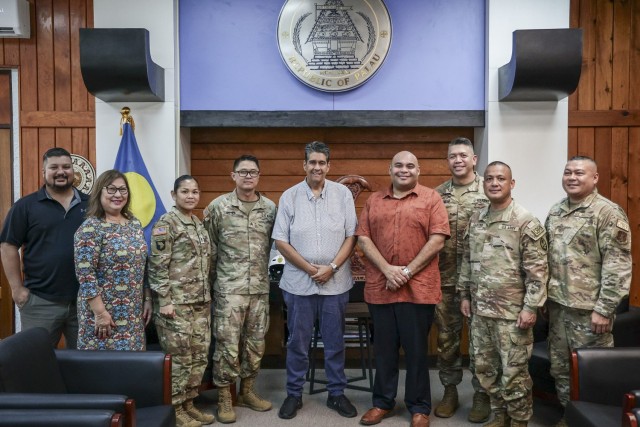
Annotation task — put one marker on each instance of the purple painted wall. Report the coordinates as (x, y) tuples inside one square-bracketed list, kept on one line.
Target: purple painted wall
[(229, 59)]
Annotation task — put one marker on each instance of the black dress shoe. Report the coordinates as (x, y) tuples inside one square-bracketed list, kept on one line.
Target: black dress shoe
[(341, 405), (289, 408)]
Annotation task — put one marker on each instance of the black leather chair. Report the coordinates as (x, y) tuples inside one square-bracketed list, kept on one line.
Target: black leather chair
[(59, 418), (34, 376), (626, 333), (600, 380), (143, 376)]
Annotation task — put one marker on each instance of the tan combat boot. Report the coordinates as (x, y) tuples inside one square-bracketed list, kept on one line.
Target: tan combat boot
[(196, 414), (449, 403), (481, 409), (501, 419), (183, 419), (249, 398), (516, 423), (226, 414)]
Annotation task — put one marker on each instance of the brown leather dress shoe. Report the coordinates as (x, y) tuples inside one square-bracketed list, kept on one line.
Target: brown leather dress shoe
[(420, 420), (374, 416)]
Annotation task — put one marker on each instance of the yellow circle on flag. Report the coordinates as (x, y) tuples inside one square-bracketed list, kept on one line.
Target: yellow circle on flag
[(143, 201)]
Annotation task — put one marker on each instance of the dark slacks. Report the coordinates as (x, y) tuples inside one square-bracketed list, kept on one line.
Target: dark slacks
[(302, 312), (406, 325)]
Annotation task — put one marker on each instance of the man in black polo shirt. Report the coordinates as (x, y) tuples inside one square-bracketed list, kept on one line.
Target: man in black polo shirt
[(43, 224)]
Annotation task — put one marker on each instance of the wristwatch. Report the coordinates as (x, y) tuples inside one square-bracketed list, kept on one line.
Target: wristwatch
[(334, 267), (407, 272)]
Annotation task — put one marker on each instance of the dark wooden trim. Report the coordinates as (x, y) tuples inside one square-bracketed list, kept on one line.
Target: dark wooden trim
[(606, 118), (130, 413), (58, 119), (629, 420), (297, 119), (574, 377), (628, 402), (166, 380), (116, 420)]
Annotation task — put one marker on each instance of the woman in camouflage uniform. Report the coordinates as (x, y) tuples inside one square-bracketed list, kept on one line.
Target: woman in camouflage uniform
[(178, 274)]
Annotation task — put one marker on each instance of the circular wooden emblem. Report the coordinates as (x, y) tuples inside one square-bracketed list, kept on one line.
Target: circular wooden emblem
[(334, 45), (84, 175)]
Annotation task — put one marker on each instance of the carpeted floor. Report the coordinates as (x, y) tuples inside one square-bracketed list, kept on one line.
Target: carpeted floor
[(315, 413)]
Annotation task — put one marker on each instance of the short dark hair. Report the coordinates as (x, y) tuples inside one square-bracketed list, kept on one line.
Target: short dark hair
[(181, 179), (94, 207), (246, 157), (461, 140), (585, 158), (55, 152), (316, 147), (498, 163)]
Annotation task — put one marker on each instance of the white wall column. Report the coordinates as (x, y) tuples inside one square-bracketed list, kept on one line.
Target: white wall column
[(157, 123), (531, 137)]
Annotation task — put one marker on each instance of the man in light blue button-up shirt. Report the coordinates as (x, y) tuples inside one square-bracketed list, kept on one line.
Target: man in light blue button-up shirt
[(314, 231)]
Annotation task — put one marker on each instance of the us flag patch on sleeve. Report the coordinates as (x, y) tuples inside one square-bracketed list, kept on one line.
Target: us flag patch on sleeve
[(159, 231)]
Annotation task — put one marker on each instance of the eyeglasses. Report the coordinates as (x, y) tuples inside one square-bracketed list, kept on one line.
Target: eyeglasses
[(111, 189), (251, 174)]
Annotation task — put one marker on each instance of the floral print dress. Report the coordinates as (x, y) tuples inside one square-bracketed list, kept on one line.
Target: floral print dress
[(110, 262)]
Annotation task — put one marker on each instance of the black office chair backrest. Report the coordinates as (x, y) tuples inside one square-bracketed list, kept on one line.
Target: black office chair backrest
[(80, 369), (28, 364), (606, 374)]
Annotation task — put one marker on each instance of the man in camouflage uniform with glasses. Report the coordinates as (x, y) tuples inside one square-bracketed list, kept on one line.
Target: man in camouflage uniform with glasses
[(239, 225)]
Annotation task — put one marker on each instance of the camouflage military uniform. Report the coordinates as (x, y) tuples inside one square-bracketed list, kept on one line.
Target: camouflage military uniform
[(589, 270), (178, 273), (241, 284), (504, 271), (448, 317)]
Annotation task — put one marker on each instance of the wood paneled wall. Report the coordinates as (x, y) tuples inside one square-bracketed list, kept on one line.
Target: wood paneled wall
[(604, 113), (55, 108), (6, 193), (360, 151)]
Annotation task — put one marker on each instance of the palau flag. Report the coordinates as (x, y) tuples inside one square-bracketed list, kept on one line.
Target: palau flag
[(145, 203)]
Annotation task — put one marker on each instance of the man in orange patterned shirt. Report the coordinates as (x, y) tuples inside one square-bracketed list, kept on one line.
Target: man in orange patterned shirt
[(401, 231)]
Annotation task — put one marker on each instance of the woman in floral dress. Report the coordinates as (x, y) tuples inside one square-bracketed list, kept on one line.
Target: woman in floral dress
[(110, 257)]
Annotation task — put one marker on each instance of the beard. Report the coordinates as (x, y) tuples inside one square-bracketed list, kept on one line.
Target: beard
[(55, 186)]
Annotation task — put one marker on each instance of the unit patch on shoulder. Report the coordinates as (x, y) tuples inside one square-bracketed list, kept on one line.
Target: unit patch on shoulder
[(544, 245), (622, 237), (160, 245), (159, 231), (622, 225), (537, 231)]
